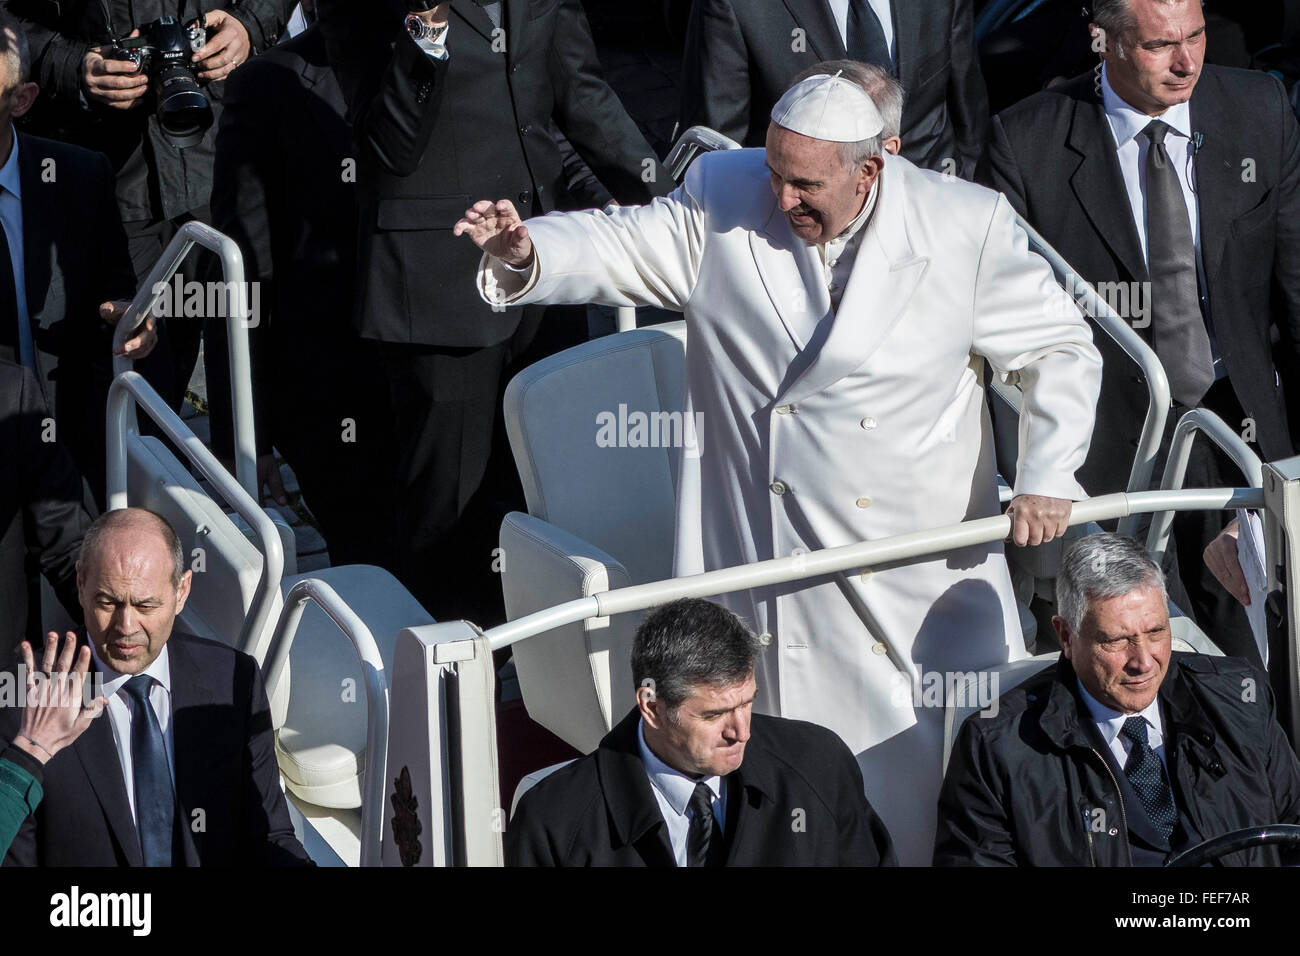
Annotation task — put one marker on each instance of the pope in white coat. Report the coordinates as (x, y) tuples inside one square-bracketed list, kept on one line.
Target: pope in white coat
[(840, 308)]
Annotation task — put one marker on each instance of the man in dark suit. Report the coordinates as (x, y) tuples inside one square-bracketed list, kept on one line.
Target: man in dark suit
[(1124, 753), (741, 55), (42, 517), (66, 264), (1199, 234), (463, 111), (280, 191), (691, 777), (180, 770)]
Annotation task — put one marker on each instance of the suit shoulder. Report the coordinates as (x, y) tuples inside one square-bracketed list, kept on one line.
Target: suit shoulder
[(725, 167), (1238, 82), (210, 652), (1025, 699), (809, 749), (63, 153), (561, 803), (1046, 108)]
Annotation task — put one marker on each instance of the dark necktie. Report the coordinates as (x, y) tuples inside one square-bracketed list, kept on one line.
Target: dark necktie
[(9, 349), (155, 802), (865, 39), (702, 836), (1146, 772), (1181, 342)]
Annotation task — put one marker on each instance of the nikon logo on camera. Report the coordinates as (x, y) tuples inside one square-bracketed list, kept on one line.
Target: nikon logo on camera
[(208, 300)]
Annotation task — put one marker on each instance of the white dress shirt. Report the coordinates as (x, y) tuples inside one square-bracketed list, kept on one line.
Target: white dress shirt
[(119, 714), (673, 791), (840, 10), (11, 217), (1111, 722)]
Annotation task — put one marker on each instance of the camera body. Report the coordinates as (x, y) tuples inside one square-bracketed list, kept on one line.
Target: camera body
[(164, 51)]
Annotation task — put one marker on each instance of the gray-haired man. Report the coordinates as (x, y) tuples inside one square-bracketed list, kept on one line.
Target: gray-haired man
[(1125, 752), (692, 778)]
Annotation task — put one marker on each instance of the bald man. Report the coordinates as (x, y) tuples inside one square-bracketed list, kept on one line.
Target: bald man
[(182, 772)]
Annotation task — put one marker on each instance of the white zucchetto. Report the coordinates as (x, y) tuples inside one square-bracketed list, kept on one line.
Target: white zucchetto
[(830, 108)]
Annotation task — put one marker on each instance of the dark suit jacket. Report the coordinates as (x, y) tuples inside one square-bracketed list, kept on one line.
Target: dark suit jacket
[(75, 257), (1054, 157), (225, 767), (739, 61), (435, 136), (600, 810), (41, 515)]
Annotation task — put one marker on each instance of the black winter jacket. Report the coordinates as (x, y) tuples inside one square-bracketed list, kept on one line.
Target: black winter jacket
[(1029, 786)]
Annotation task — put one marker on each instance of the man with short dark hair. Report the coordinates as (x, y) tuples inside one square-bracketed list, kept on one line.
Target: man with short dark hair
[(183, 771), (1125, 752), (692, 778)]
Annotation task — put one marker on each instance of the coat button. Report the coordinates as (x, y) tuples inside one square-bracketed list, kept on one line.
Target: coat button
[(864, 502), (785, 409), (1113, 831), (868, 423), (778, 487), (878, 648), (525, 196), (526, 129), (765, 639)]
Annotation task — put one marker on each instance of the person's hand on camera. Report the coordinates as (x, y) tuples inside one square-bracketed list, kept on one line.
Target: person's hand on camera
[(145, 338), (497, 229), (55, 715), (114, 83), (228, 46)]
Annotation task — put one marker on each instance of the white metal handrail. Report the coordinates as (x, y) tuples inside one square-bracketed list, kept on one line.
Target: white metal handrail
[(866, 554), (130, 389), (372, 664), (1180, 449), (237, 323)]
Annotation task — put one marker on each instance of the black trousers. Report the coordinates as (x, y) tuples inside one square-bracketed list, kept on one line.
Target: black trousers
[(169, 367), (1218, 613), (456, 477)]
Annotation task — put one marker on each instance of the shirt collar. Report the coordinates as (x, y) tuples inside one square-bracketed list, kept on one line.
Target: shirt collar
[(1126, 121), (855, 227), (1111, 722), (675, 786), (9, 178), (159, 670)]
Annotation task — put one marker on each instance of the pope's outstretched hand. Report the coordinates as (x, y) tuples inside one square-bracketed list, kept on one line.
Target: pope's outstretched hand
[(497, 229)]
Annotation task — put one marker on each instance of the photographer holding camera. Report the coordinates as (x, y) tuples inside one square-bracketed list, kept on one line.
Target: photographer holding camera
[(98, 63)]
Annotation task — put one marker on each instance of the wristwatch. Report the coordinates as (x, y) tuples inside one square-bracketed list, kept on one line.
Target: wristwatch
[(421, 30)]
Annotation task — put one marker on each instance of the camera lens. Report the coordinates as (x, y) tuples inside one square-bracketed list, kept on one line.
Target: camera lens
[(183, 108)]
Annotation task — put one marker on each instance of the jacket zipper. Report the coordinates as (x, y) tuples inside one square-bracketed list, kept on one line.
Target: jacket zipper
[(1123, 815)]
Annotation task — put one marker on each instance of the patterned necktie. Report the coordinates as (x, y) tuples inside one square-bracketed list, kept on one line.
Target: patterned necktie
[(1181, 342), (1146, 772), (155, 802), (700, 834), (865, 38)]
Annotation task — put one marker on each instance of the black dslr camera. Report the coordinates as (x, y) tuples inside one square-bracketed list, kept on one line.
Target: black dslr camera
[(164, 52)]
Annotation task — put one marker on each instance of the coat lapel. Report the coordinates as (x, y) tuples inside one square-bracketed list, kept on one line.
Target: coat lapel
[(792, 275), (515, 20), (912, 39), (38, 225), (473, 15), (1098, 184), (189, 697), (98, 754), (885, 274), (823, 32), (633, 811), (1218, 176)]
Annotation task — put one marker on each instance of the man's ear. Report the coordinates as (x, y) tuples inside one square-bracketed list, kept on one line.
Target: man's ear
[(183, 590), (24, 96), (1063, 635), (647, 703)]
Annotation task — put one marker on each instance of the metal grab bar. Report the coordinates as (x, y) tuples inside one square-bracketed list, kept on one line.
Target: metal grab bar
[(695, 140), (237, 324), (1180, 450), (372, 665), (855, 556), (130, 389), (1153, 426)]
